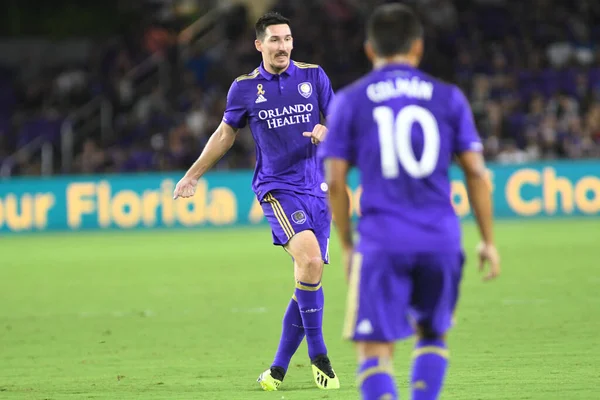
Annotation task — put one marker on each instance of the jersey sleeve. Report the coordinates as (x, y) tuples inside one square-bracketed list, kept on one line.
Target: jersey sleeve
[(325, 92), (466, 136), (340, 141), (235, 111)]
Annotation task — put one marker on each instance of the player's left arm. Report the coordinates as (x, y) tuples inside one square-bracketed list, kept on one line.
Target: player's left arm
[(336, 174), (468, 150), (324, 96)]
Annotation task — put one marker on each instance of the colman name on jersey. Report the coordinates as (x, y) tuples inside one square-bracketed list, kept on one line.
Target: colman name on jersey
[(388, 89)]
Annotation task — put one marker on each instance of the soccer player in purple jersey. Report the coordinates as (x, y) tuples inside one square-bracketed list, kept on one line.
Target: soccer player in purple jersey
[(401, 128), (283, 101)]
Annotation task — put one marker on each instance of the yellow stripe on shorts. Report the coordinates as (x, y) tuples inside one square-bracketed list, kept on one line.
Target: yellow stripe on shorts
[(280, 215), (353, 298)]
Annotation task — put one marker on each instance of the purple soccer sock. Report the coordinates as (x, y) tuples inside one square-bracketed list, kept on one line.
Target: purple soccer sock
[(376, 380), (310, 302), (430, 360), (292, 335)]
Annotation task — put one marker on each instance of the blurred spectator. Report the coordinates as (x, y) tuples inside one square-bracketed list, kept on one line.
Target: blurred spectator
[(92, 158), (531, 71), (511, 154)]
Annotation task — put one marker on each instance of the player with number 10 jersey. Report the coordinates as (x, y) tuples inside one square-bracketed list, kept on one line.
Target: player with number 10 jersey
[(402, 128), (407, 125)]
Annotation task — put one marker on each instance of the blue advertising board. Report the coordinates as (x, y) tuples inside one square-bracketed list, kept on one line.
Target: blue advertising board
[(557, 189)]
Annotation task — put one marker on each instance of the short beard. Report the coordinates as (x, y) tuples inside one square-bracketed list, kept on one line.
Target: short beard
[(278, 69)]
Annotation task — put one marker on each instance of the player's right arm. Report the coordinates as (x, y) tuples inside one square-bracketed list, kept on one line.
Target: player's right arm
[(468, 148), (219, 143)]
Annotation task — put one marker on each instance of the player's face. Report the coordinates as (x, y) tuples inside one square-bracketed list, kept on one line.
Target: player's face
[(276, 47)]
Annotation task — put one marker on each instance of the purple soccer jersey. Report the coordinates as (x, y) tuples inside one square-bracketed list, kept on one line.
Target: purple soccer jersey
[(279, 108), (401, 129)]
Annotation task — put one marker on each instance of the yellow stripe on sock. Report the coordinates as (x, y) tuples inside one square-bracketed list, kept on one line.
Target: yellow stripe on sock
[(280, 215), (440, 351), (380, 369), (300, 286)]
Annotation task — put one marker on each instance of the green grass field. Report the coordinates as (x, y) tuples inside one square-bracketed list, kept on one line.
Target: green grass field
[(196, 315)]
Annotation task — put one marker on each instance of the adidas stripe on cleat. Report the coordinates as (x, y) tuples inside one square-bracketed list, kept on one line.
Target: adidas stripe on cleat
[(323, 373)]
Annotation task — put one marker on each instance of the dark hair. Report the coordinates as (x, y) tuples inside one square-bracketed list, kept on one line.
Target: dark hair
[(392, 28), (270, 18)]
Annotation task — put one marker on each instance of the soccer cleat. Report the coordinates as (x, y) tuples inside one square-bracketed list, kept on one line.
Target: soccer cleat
[(267, 382), (324, 375)]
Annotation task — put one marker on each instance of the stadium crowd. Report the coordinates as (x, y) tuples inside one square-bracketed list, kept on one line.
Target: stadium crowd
[(531, 72)]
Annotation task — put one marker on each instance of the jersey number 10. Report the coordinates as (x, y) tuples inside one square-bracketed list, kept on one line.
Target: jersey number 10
[(396, 145)]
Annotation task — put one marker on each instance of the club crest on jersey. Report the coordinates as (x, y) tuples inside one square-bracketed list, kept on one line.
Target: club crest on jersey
[(305, 89), (260, 93), (299, 217)]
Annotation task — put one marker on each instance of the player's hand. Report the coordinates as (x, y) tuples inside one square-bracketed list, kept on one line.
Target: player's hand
[(348, 253), (317, 135), (186, 187), (488, 253)]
